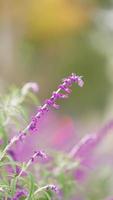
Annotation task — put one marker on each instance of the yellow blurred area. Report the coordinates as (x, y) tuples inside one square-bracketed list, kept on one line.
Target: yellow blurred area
[(43, 18), (51, 17)]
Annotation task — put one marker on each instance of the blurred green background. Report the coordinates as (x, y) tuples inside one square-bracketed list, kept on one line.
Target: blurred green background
[(46, 40)]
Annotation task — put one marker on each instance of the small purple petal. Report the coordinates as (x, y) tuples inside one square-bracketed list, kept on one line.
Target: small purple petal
[(56, 106), (67, 81), (66, 89)]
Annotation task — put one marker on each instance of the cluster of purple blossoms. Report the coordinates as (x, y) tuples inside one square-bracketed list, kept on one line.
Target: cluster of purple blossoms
[(19, 194), (54, 188), (56, 95), (40, 154), (32, 126)]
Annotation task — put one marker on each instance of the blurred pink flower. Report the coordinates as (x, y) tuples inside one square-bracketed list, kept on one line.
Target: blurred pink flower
[(55, 133), (64, 134)]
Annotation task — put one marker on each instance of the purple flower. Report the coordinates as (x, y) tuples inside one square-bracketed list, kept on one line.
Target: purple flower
[(19, 194), (51, 102), (40, 154), (54, 188)]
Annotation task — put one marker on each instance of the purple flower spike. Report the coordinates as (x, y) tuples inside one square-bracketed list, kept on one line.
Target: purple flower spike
[(51, 102), (54, 188)]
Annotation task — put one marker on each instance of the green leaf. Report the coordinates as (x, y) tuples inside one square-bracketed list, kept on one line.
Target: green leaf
[(32, 186)]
